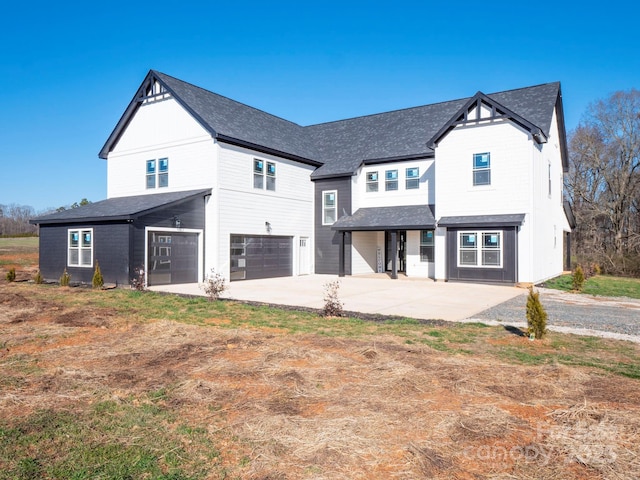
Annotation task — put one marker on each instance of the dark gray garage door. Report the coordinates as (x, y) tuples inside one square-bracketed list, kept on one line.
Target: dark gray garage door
[(261, 256), (173, 258)]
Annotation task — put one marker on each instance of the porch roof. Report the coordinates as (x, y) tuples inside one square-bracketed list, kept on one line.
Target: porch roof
[(490, 221), (405, 217)]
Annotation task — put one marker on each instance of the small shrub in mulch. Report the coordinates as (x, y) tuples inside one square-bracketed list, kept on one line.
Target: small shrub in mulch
[(11, 275)]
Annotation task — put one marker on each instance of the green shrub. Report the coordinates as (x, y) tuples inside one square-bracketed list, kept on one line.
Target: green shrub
[(65, 279), (578, 279), (11, 275), (38, 279), (97, 281), (536, 315)]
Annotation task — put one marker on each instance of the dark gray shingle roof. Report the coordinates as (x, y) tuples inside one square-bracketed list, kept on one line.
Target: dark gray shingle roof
[(340, 147), (121, 208), (344, 145), (381, 218), (239, 121)]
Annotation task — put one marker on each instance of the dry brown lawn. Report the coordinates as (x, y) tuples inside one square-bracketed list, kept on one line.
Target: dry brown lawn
[(302, 406)]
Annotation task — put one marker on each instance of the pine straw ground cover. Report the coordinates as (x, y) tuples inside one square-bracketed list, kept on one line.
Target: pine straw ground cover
[(120, 384)]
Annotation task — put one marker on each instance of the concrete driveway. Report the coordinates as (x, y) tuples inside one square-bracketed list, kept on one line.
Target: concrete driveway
[(414, 298)]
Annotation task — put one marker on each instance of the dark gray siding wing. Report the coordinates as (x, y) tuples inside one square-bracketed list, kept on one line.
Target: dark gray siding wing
[(111, 250), (327, 241), (191, 215), (507, 274)]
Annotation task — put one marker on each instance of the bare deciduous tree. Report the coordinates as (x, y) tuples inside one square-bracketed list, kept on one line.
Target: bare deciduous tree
[(603, 184), (14, 219)]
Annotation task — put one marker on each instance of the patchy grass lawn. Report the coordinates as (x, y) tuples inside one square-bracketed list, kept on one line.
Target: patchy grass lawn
[(602, 285), (122, 384), (20, 253)]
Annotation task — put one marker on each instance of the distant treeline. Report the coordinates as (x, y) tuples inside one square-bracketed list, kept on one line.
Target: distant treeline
[(14, 220)]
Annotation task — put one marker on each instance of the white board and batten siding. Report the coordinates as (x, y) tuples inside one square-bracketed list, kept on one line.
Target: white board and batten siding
[(549, 221), (245, 210), (519, 184), (161, 129)]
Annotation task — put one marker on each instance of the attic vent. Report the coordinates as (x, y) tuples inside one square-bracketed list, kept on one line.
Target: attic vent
[(153, 91)]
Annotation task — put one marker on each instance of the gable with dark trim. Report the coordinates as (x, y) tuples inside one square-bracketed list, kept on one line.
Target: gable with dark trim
[(498, 112)]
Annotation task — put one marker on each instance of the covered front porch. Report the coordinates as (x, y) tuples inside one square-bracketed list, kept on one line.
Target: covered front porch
[(388, 239)]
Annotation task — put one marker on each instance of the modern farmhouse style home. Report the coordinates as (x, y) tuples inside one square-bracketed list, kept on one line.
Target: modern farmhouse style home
[(463, 190)]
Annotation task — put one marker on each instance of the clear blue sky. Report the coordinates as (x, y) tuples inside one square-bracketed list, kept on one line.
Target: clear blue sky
[(69, 69)]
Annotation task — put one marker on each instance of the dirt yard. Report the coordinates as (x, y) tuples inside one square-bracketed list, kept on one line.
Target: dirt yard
[(284, 406)]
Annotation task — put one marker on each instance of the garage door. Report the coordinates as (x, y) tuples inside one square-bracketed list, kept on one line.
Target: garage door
[(173, 258), (261, 256)]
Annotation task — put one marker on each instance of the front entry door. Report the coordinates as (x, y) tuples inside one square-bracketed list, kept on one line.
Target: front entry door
[(400, 251)]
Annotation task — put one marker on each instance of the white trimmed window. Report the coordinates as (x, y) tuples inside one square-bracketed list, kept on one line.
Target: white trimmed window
[(80, 248), (372, 181), (481, 169), (426, 245), (480, 249), (262, 169), (329, 207), (158, 173), (391, 180), (412, 179)]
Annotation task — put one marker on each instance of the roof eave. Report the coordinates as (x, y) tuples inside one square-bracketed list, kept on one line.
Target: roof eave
[(332, 175), (400, 158), (271, 151), (125, 217), (148, 211), (73, 221), (383, 228), (562, 132)]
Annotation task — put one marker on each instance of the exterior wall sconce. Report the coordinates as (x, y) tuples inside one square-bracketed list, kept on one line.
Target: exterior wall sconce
[(267, 225), (177, 223)]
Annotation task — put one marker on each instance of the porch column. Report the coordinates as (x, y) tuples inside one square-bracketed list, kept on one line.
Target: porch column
[(394, 254), (341, 255)]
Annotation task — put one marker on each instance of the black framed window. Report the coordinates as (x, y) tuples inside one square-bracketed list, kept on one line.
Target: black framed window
[(482, 169)]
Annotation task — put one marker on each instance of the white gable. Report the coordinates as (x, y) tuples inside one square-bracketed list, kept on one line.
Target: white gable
[(161, 129), (157, 123)]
